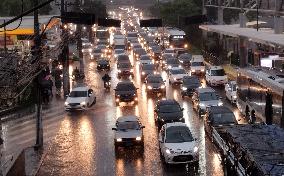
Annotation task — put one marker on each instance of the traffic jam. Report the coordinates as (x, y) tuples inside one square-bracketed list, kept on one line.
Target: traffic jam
[(155, 63)]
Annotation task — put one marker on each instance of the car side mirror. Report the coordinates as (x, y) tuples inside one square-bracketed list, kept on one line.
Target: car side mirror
[(182, 109), (142, 127), (115, 129), (137, 88)]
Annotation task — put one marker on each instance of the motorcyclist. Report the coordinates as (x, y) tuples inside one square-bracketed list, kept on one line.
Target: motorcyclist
[(106, 78)]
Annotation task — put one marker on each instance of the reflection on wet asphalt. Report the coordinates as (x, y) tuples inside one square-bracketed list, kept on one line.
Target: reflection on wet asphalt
[(84, 144)]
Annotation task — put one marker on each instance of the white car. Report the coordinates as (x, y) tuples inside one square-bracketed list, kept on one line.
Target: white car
[(176, 75), (177, 145), (197, 65), (231, 91), (215, 76), (145, 59), (128, 131), (80, 98)]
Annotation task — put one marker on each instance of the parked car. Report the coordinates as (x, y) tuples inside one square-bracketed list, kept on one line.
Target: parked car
[(167, 111), (215, 76), (177, 145), (80, 98), (176, 75), (203, 98), (128, 131), (155, 84), (126, 91), (189, 85), (231, 91)]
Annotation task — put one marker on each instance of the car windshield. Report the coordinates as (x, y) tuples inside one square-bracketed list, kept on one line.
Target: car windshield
[(191, 81), (123, 58), (219, 72), (103, 62), (119, 51), (145, 58), (155, 80), (208, 96), (197, 64), (172, 61), (102, 46), (137, 46), (119, 47), (132, 35), (179, 71), (141, 52), (125, 87), (124, 65), (148, 67), (78, 94), (128, 125), (169, 108), (185, 56), (178, 134), (223, 118)]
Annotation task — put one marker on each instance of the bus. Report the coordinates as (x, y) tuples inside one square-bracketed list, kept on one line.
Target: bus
[(254, 84), (176, 38)]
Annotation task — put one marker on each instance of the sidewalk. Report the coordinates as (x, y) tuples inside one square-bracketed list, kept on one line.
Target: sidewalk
[(19, 132)]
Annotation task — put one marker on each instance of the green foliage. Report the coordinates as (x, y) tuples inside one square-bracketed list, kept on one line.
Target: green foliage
[(14, 7)]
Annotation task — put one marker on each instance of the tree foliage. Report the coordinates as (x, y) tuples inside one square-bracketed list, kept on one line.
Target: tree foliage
[(14, 7)]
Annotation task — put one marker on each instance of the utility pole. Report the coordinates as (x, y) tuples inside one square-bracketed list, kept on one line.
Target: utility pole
[(257, 15), (65, 54), (37, 55), (5, 40), (79, 42)]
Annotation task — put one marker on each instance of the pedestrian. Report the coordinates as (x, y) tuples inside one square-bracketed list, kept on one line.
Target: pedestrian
[(252, 116)]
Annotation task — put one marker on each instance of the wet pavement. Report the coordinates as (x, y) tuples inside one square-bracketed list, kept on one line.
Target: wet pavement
[(84, 143)]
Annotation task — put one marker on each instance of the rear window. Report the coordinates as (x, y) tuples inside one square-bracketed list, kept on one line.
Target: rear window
[(197, 64), (223, 118)]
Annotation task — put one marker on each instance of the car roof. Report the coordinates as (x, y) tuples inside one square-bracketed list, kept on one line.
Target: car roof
[(206, 89), (128, 118), (85, 88), (214, 67), (167, 102), (219, 109), (125, 82)]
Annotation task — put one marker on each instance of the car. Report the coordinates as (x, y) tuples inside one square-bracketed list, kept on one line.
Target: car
[(147, 69), (167, 111), (169, 51), (184, 59), (122, 58), (189, 85), (80, 98), (197, 65), (128, 131), (218, 116), (103, 64), (124, 69), (155, 84), (126, 91), (87, 47), (231, 91), (170, 63), (135, 45), (96, 54), (118, 52), (156, 53), (176, 75), (177, 145), (216, 76), (180, 51), (203, 98), (139, 52), (145, 59)]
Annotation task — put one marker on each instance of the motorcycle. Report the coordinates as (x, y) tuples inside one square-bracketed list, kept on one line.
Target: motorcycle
[(107, 85)]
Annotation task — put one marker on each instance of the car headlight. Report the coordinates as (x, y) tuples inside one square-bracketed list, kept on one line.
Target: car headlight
[(163, 86), (118, 140), (131, 70), (169, 66), (149, 87), (192, 70), (102, 55), (138, 138), (83, 103), (179, 66), (115, 55), (220, 104), (181, 61), (195, 149), (90, 50), (185, 45), (143, 73), (175, 79), (66, 103), (202, 70), (184, 88), (235, 97), (201, 105), (119, 71), (168, 151)]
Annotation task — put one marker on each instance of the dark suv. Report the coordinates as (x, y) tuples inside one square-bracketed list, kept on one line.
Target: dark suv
[(168, 111), (125, 91), (189, 85)]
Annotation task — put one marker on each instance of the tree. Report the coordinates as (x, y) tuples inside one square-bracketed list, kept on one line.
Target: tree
[(14, 7)]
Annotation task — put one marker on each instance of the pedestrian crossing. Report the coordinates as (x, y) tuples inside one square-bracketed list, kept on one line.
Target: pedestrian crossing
[(20, 133)]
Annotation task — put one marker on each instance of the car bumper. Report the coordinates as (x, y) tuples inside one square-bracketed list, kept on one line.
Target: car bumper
[(129, 143), (181, 159), (73, 108), (126, 99)]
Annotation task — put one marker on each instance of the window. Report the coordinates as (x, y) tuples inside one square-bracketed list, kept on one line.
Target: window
[(75, 94)]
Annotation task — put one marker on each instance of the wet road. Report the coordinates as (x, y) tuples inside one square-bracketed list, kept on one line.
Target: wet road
[(84, 143)]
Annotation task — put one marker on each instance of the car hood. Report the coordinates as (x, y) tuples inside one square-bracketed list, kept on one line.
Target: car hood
[(179, 76), (128, 134), (171, 115), (125, 92), (184, 147), (76, 99)]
